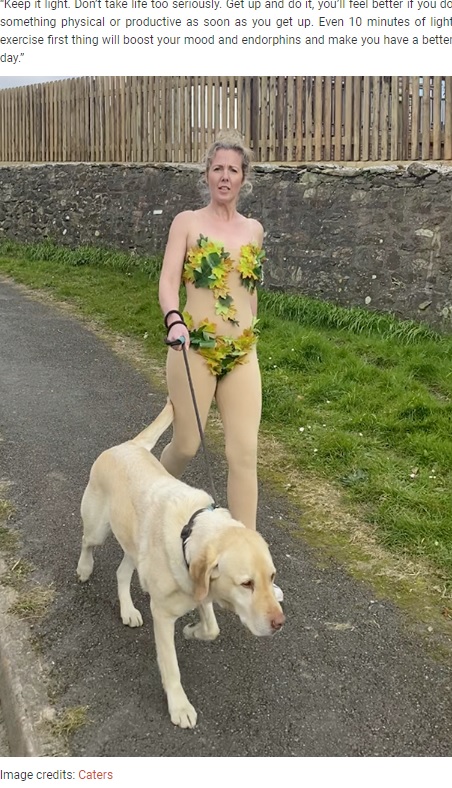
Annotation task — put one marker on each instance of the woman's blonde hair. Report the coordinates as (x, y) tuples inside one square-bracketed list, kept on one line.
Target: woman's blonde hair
[(231, 139)]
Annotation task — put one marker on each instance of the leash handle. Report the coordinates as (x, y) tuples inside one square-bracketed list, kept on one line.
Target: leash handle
[(179, 341)]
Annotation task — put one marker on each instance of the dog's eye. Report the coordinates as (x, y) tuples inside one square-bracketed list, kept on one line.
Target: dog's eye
[(248, 584)]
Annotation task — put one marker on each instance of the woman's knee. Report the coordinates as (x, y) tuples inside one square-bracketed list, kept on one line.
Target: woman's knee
[(185, 449), (241, 454)]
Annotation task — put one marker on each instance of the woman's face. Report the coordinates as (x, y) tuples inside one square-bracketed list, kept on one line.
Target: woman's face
[(225, 176)]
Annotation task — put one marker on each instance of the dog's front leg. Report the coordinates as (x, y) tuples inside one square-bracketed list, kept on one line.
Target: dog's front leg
[(131, 617), (181, 711), (207, 628)]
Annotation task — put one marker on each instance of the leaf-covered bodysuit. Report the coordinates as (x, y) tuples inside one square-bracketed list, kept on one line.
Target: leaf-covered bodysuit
[(208, 265)]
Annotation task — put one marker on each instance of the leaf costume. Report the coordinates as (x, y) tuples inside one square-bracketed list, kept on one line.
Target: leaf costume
[(208, 265)]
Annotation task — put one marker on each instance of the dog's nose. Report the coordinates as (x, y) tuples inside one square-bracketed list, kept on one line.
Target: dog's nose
[(277, 621)]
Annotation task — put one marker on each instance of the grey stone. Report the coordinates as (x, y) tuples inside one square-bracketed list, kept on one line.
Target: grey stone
[(418, 170)]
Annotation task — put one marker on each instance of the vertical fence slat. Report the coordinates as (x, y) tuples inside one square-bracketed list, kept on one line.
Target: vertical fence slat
[(16, 148), (405, 118), (308, 118), (384, 118), (3, 132), (338, 105), (395, 141), (436, 118), (113, 120), (40, 147), (425, 118), (209, 111), (152, 109), (188, 120), (181, 107), (203, 127), (348, 118), (161, 118), (290, 119), (318, 117), (327, 118), (232, 115), (366, 121), (195, 106), (281, 119), (299, 118), (78, 120), (179, 123), (144, 118), (448, 117), (357, 118), (86, 145), (13, 149), (139, 125), (101, 128), (223, 103), (64, 98), (217, 107), (268, 144), (26, 126), (415, 117), (374, 118), (97, 118), (45, 147), (3, 127), (20, 125)]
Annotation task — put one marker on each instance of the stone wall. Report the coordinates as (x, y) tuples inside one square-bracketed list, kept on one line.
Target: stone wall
[(376, 237)]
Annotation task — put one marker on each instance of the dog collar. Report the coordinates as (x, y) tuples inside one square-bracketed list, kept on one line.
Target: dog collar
[(188, 528)]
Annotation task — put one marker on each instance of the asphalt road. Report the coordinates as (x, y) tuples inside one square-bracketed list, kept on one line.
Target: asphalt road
[(346, 677)]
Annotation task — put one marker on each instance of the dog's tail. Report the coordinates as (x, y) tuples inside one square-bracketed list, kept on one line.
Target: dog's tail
[(149, 436)]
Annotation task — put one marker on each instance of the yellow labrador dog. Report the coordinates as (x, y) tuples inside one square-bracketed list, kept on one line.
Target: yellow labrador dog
[(188, 553)]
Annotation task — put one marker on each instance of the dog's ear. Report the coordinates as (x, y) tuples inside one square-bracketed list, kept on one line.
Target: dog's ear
[(201, 572)]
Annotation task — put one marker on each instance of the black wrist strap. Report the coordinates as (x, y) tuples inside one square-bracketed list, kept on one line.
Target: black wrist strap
[(172, 312), (176, 323)]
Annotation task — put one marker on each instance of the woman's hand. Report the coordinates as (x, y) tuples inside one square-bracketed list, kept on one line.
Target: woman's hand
[(177, 331)]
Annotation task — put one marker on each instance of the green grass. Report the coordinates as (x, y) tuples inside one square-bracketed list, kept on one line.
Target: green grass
[(70, 720), (33, 603), (354, 397), (8, 538)]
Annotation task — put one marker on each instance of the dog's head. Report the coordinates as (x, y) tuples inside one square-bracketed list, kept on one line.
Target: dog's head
[(236, 570)]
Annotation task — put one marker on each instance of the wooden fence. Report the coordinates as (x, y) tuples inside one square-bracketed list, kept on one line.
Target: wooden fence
[(174, 119)]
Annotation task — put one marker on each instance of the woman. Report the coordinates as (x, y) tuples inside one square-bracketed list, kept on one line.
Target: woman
[(217, 253)]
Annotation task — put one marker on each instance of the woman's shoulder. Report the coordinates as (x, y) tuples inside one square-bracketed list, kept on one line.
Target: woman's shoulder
[(256, 230), (251, 222), (185, 220)]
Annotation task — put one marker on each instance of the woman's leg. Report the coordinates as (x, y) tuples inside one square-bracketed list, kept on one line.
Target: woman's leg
[(239, 400), (186, 440)]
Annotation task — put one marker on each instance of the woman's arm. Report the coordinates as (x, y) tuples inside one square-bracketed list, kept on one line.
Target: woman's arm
[(259, 231), (171, 275), (253, 301)]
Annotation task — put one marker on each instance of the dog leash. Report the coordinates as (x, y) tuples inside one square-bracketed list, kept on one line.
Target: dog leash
[(181, 341)]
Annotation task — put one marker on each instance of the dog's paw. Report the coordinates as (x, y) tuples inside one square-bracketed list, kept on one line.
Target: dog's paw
[(132, 617), (184, 716), (84, 571), (198, 632)]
